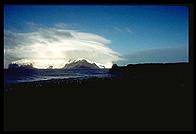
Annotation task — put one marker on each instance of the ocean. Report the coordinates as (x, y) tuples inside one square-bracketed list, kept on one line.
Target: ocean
[(17, 76)]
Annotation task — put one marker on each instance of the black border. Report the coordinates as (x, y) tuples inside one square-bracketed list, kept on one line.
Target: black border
[(113, 2), (188, 3)]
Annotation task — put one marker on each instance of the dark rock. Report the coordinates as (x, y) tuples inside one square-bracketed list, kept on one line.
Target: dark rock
[(13, 66), (50, 67)]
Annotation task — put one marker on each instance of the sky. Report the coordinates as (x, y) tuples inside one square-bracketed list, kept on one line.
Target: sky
[(54, 35)]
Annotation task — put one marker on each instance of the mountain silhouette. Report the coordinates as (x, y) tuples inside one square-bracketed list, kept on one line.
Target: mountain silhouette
[(14, 66), (81, 64)]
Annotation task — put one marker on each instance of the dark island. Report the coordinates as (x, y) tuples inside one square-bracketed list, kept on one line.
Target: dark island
[(137, 97)]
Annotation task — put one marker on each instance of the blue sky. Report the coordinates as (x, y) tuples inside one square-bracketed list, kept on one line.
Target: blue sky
[(131, 29)]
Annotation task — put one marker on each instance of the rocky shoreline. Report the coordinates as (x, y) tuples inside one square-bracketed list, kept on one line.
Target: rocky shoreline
[(148, 97)]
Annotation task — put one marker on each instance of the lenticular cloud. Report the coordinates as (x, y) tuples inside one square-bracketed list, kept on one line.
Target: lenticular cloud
[(56, 47)]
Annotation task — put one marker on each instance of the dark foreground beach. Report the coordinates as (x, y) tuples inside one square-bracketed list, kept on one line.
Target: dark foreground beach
[(140, 97)]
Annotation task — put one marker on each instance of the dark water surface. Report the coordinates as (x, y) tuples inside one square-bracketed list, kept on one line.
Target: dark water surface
[(16, 76)]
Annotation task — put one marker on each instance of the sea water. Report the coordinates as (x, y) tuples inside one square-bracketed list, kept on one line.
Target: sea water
[(16, 76)]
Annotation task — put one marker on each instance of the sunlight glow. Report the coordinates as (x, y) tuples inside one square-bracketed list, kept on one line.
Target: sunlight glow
[(56, 47)]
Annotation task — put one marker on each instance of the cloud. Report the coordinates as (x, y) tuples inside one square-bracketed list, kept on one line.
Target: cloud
[(66, 25), (117, 29), (161, 55), (56, 46), (122, 30)]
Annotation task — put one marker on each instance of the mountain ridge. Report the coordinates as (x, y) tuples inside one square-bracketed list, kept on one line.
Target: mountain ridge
[(80, 64)]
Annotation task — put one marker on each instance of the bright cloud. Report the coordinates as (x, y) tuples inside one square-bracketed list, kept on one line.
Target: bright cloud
[(55, 47)]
